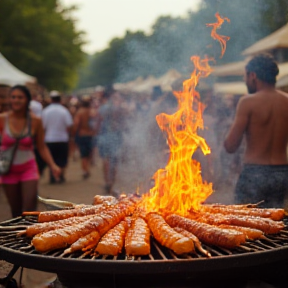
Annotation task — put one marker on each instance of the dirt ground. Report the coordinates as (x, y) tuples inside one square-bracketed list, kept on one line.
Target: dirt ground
[(75, 190)]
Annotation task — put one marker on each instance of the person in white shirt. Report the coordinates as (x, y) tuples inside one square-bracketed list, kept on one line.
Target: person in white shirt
[(36, 107), (58, 123)]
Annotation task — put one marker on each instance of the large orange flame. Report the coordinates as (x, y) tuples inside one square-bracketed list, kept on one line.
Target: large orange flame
[(179, 186)]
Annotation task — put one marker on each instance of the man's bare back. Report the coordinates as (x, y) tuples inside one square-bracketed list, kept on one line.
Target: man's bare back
[(266, 132), (82, 120), (262, 117)]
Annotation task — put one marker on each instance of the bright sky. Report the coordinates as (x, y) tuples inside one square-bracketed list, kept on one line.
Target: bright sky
[(102, 20)]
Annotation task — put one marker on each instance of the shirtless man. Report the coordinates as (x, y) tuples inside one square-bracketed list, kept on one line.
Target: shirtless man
[(261, 116), (84, 130)]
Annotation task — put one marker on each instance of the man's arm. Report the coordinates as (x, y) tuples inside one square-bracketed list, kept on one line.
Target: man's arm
[(237, 130), (76, 124), (69, 123), (43, 149)]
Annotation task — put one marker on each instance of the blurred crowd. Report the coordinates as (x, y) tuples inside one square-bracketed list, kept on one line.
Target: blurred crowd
[(121, 129)]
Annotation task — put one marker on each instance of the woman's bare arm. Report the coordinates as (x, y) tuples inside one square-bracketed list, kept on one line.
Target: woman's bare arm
[(42, 147), (2, 121)]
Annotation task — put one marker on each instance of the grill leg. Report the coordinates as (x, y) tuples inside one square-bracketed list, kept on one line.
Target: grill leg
[(5, 281)]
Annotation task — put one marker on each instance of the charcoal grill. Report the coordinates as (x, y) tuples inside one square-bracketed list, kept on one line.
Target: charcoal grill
[(253, 259)]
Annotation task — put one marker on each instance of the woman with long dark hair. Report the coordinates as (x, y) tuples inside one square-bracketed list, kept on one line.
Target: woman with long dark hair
[(20, 183)]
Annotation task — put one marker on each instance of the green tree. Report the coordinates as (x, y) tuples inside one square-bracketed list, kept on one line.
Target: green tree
[(40, 38), (114, 63)]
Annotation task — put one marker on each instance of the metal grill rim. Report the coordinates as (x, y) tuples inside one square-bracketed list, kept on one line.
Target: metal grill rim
[(18, 250)]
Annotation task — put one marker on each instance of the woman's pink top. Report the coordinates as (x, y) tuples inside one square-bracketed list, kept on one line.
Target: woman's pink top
[(25, 151)]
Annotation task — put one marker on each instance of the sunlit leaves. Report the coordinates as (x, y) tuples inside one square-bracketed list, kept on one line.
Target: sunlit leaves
[(40, 38)]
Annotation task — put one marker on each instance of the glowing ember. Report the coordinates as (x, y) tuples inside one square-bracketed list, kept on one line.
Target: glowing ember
[(179, 186)]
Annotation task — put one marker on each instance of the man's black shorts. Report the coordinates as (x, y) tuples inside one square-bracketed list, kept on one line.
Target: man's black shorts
[(268, 183), (59, 152)]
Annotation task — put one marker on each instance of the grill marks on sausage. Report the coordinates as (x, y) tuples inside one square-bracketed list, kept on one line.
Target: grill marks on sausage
[(167, 236), (268, 226), (137, 241), (112, 242), (274, 214), (101, 223), (208, 234), (54, 225), (100, 203)]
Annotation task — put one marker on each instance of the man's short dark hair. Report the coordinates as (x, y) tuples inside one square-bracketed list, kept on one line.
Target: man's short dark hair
[(56, 99), (264, 66)]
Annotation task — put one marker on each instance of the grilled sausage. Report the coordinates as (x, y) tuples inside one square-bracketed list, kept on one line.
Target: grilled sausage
[(274, 214), (137, 240), (207, 233), (37, 228), (250, 233), (85, 242), (196, 241), (101, 223), (268, 226), (167, 236), (112, 242), (55, 215)]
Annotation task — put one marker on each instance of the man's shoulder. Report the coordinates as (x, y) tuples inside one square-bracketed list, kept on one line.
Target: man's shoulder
[(47, 108), (250, 96), (65, 109), (55, 108), (267, 96), (247, 99), (247, 103)]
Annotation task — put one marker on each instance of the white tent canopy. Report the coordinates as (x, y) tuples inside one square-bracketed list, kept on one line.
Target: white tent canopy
[(166, 80), (278, 39), (238, 69), (240, 87), (128, 86), (10, 75), (146, 85), (230, 69), (141, 85), (235, 88)]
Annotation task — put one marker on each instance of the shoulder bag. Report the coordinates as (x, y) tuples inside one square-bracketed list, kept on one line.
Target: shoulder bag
[(7, 155)]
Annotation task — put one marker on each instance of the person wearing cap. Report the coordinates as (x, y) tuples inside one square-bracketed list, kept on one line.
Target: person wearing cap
[(58, 123), (85, 128)]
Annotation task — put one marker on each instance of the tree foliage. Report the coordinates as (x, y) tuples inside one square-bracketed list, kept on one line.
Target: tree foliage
[(40, 38), (174, 40)]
